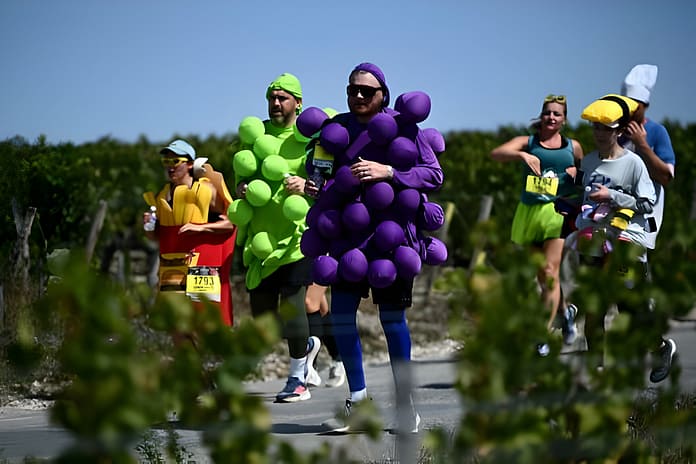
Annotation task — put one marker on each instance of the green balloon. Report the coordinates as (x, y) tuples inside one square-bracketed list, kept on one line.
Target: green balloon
[(241, 235), (295, 207), (247, 254), (267, 145), (250, 129), (258, 193), (262, 245), (274, 167), (240, 212), (244, 163)]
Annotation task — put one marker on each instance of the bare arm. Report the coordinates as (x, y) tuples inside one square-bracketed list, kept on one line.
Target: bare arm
[(660, 171), (578, 154), (222, 225), (515, 150)]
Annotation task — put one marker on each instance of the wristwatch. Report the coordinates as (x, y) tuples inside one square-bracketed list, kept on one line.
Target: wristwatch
[(390, 171)]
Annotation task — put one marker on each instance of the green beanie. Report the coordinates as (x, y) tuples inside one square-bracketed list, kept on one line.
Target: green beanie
[(287, 82)]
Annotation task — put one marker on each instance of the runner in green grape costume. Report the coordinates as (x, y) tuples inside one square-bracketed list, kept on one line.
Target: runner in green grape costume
[(270, 220), (270, 214)]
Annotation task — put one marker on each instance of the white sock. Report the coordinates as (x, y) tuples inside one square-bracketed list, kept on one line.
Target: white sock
[(358, 395), (297, 368)]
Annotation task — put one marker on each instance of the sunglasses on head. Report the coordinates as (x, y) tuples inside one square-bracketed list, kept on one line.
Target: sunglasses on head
[(555, 98), (173, 162), (365, 91)]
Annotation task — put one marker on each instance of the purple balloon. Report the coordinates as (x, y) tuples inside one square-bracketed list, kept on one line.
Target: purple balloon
[(334, 137), (310, 120), (381, 273), (345, 181), (435, 140), (378, 195), (353, 265), (406, 204), (312, 244), (325, 270), (408, 262), (432, 216), (355, 216), (357, 146), (312, 216), (402, 153), (435, 251), (331, 197), (329, 224), (389, 235), (413, 106), (382, 128)]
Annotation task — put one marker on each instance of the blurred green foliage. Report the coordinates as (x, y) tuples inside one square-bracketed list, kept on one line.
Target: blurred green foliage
[(525, 408), (119, 386)]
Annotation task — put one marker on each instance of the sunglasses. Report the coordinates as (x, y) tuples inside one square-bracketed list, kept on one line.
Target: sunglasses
[(555, 98), (365, 91), (173, 162)]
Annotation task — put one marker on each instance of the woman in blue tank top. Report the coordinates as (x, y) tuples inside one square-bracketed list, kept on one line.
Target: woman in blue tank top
[(549, 164)]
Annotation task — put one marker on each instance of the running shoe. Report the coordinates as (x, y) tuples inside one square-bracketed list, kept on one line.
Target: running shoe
[(312, 377), (339, 424), (663, 363), (337, 374), (356, 417), (570, 328), (293, 392)]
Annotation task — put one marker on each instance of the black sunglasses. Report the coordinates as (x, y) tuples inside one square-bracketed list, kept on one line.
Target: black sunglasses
[(365, 91)]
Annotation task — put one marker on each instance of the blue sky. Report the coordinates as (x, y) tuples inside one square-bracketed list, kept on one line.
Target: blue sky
[(78, 70)]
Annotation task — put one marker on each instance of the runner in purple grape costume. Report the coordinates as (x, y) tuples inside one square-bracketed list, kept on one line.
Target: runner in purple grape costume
[(371, 169)]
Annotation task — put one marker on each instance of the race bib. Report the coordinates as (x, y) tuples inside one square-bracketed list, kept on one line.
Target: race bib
[(542, 185), (203, 281)]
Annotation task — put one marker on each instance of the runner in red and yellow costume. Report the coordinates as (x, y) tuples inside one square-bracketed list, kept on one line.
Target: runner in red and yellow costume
[(196, 237)]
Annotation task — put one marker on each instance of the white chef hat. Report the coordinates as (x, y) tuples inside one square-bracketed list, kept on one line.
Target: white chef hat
[(639, 82)]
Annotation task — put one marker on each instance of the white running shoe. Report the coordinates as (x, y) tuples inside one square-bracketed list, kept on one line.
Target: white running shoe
[(337, 374), (312, 377)]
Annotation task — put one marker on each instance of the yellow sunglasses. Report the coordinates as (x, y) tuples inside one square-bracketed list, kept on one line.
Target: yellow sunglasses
[(555, 98), (173, 162)]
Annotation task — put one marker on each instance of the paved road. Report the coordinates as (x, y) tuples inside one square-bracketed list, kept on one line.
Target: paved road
[(29, 433)]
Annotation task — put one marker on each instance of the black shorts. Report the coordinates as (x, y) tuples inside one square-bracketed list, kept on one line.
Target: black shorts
[(287, 279)]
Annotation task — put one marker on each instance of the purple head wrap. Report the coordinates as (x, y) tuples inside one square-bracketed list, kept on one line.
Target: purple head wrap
[(375, 71)]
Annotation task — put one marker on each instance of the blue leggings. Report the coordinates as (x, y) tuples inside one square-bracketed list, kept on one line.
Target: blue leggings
[(344, 307)]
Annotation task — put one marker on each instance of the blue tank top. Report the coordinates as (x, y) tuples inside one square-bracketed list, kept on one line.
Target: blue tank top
[(554, 162)]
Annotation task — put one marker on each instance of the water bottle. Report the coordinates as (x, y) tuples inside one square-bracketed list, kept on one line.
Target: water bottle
[(149, 226), (322, 162)]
